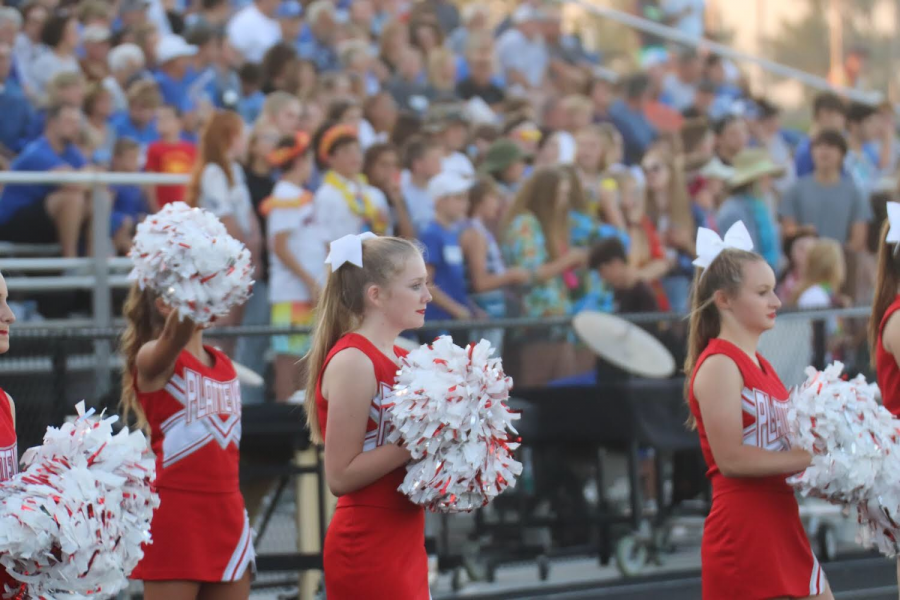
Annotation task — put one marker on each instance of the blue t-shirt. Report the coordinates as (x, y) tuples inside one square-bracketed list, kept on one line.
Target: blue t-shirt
[(442, 251), (15, 127), (39, 155), (175, 93), (128, 201), (124, 127)]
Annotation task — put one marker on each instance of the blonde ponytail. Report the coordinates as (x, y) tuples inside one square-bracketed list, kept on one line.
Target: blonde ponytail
[(341, 308), (144, 324), (887, 282)]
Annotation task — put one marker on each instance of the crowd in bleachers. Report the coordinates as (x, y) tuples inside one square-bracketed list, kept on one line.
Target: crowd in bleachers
[(540, 181)]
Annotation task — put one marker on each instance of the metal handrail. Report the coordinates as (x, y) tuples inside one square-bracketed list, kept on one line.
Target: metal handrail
[(673, 34)]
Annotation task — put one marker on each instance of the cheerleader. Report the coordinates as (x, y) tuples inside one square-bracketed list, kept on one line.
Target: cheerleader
[(374, 548), (187, 395), (884, 326), (9, 456), (754, 545)]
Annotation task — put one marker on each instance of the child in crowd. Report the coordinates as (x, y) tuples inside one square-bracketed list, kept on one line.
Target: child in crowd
[(610, 260), (296, 259), (443, 254), (170, 154), (129, 204)]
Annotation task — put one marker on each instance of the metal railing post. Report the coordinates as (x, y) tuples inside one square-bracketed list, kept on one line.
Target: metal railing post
[(102, 304)]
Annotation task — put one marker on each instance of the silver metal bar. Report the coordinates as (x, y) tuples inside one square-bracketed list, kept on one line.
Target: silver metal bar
[(62, 284), (34, 265), (92, 178), (102, 302), (673, 34)]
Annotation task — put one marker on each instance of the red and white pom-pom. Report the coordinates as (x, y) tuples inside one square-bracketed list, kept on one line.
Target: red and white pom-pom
[(855, 445), (449, 410), (186, 255), (72, 523)]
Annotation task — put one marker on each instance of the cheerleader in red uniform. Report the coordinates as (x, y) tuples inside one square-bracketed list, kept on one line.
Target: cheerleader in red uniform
[(374, 548), (187, 395), (9, 456), (884, 325), (754, 545)]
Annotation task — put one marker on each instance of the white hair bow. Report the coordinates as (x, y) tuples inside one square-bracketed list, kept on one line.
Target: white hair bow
[(710, 245), (893, 216), (347, 249)]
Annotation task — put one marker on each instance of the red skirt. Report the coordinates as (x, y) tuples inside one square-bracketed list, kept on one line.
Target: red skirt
[(197, 537), (376, 554), (754, 547)]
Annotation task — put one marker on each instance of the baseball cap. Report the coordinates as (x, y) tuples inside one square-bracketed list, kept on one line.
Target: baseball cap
[(289, 9), (172, 47), (448, 183)]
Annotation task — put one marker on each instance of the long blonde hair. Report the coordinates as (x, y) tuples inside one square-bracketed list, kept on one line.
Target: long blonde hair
[(144, 323), (725, 273), (342, 305), (538, 196), (679, 202), (887, 283), (824, 264)]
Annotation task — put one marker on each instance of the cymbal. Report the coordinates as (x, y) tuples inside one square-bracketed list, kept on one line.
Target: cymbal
[(624, 344), (247, 376)]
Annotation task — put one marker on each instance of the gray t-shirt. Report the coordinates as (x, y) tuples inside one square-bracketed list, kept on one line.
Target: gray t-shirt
[(831, 209)]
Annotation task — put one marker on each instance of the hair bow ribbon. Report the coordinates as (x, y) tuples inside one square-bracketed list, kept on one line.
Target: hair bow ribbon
[(347, 249), (710, 245)]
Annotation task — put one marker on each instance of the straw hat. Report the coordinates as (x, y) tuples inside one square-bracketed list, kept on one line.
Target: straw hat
[(751, 165)]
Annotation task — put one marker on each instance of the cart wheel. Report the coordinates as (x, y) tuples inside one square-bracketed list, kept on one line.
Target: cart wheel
[(631, 556), (827, 541), (456, 581), (543, 564)]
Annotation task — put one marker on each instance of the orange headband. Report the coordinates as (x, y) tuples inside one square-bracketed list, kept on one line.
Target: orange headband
[(331, 136), (281, 156)]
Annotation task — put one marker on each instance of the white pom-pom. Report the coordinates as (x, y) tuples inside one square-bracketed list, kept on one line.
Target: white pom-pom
[(855, 445), (449, 410), (72, 523), (186, 255)]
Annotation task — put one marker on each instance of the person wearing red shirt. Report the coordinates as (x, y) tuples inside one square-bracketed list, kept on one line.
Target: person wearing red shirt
[(171, 155)]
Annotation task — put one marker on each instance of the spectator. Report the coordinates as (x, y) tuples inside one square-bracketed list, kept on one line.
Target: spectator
[(766, 133), (60, 35), (380, 112), (29, 46), (218, 185), (297, 253), (522, 51), (504, 161), (629, 117), (480, 82), (731, 137), (708, 191), (172, 77), (535, 237), (147, 37), (253, 30), (290, 19), (796, 249), (441, 75), (647, 254), (548, 151), (443, 256), (317, 41), (829, 112), (280, 69), (258, 170), (98, 108), (393, 43), (490, 281), (862, 157), (139, 123), (703, 100), (751, 182), (171, 155), (129, 205), (601, 92), (65, 88), (40, 213), (422, 162), (609, 260), (95, 64), (133, 13), (356, 59), (425, 34), (590, 161), (282, 110), (407, 86), (252, 99), (381, 166), (345, 203), (446, 13), (17, 113), (475, 20), (447, 124), (830, 203), (851, 74), (680, 86), (525, 134), (214, 78), (95, 12), (125, 62)]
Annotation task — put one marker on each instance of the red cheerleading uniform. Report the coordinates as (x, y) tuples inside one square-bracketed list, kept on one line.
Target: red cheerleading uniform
[(888, 374), (375, 545), (200, 530), (9, 466), (754, 545)]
